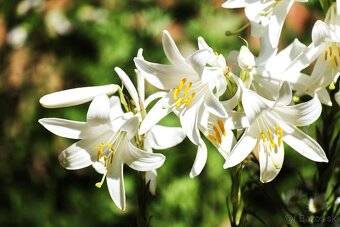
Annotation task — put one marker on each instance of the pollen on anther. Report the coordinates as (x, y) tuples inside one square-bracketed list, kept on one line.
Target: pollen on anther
[(335, 61), (221, 126), (326, 55)]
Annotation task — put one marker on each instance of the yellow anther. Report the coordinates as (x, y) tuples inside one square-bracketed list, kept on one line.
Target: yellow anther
[(221, 126), (280, 137), (277, 129), (183, 81), (111, 158), (335, 60), (263, 136), (188, 101), (326, 55), (179, 102), (105, 160), (330, 51), (176, 92), (100, 151), (216, 53), (211, 137), (271, 138), (187, 89), (217, 135), (338, 51)]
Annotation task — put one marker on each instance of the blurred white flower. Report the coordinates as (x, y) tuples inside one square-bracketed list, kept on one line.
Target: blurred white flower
[(17, 36), (25, 5), (316, 204), (57, 23)]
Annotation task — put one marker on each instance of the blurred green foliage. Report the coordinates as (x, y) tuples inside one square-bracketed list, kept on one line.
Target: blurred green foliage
[(70, 43)]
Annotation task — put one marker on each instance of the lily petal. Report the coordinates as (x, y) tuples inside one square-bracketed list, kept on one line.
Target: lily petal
[(64, 128), (242, 149), (285, 94), (161, 137), (270, 163), (156, 113), (170, 49), (164, 76), (141, 160), (80, 154), (153, 97), (129, 86), (301, 114), (151, 178), (115, 108), (253, 105), (76, 96), (189, 122), (320, 32), (200, 160), (99, 110), (115, 184), (303, 143)]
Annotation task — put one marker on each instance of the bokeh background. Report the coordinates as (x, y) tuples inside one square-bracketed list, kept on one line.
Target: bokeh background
[(50, 45)]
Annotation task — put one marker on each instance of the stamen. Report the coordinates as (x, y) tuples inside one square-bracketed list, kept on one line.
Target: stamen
[(217, 135), (263, 136), (276, 129), (183, 81), (271, 138), (335, 61), (100, 151), (280, 137), (211, 137), (176, 92), (326, 55), (221, 126), (99, 184), (330, 51), (187, 89)]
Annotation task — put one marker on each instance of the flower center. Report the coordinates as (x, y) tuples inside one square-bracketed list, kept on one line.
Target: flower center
[(217, 131), (331, 54), (272, 144), (105, 154), (181, 94)]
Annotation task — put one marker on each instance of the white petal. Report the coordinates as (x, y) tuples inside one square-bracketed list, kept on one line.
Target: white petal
[(156, 113), (76, 96), (81, 154), (129, 86), (301, 114), (277, 19), (200, 160), (338, 7), (161, 137), (151, 178), (199, 59), (115, 108), (270, 163), (242, 149), (115, 184), (285, 94), (165, 76), (337, 97), (303, 143), (153, 97), (131, 126), (324, 97), (320, 32), (202, 44), (188, 119), (141, 160), (170, 49), (64, 128), (214, 106), (253, 105), (99, 110)]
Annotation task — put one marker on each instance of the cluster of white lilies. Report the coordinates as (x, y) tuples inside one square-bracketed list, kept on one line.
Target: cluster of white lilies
[(212, 97)]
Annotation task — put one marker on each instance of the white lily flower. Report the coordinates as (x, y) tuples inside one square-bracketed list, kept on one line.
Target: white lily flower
[(271, 124), (262, 14), (326, 36), (158, 137), (76, 96), (184, 76), (105, 142)]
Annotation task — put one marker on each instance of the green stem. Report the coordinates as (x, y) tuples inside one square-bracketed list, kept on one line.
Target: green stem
[(143, 218), (237, 218)]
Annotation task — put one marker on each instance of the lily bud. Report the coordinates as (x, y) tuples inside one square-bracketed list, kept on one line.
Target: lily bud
[(246, 59)]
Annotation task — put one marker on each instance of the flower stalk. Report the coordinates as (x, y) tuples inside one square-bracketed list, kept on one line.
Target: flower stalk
[(237, 216)]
